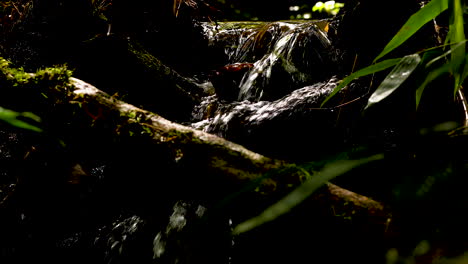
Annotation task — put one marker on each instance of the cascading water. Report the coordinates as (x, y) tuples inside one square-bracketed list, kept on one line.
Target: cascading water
[(275, 74), (267, 98), (257, 113), (285, 56), (290, 53)]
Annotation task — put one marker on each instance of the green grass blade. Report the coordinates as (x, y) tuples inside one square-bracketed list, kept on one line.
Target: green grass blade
[(414, 23), (445, 54), (363, 72), (429, 78), (329, 172), (11, 117), (465, 70), (457, 35), (395, 78)]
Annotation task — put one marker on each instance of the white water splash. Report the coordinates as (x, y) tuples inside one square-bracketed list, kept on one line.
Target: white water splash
[(255, 113), (259, 77)]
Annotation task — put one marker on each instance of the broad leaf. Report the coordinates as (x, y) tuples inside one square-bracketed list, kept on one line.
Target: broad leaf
[(414, 23), (362, 72), (329, 172), (395, 78)]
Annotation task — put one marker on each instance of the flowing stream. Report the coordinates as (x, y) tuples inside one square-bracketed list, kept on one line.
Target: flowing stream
[(284, 56), (275, 77), (267, 97)]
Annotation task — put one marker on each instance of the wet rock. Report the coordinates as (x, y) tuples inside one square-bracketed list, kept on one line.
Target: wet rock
[(128, 241), (191, 237), (293, 127), (226, 80)]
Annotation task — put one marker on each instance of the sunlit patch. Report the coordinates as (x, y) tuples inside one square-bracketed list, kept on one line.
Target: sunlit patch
[(294, 8)]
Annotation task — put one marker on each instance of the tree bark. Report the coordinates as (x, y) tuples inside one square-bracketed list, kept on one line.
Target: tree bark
[(220, 166), (168, 157)]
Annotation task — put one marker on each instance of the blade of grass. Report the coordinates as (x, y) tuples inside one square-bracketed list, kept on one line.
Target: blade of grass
[(445, 54), (457, 35), (395, 78), (11, 117), (429, 78), (465, 70), (329, 172), (414, 23), (380, 66)]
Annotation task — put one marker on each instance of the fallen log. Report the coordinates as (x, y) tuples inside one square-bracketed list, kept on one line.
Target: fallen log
[(211, 167)]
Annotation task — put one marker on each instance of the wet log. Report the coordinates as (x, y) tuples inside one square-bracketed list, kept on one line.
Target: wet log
[(221, 163), (167, 157), (224, 164)]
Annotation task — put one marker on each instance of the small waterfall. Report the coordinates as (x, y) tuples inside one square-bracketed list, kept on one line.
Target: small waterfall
[(269, 92), (244, 41), (296, 57), (254, 44), (284, 56)]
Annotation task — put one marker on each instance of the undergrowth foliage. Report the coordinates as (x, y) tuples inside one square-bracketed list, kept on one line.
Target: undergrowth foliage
[(450, 58)]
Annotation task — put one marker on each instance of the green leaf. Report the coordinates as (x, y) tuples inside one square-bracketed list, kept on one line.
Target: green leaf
[(414, 23), (465, 70), (457, 35), (329, 172), (362, 72), (319, 6), (429, 78), (395, 78), (445, 54), (11, 117)]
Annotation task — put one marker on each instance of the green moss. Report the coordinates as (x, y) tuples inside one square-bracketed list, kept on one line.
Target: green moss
[(14, 76), (13, 81), (238, 25), (146, 130), (58, 75)]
